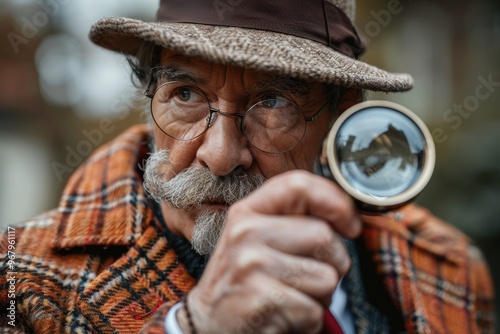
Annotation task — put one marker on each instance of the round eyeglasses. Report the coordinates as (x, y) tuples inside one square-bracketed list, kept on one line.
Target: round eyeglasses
[(274, 125)]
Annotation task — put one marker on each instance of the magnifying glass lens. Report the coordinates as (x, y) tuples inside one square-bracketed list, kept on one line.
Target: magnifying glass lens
[(380, 151)]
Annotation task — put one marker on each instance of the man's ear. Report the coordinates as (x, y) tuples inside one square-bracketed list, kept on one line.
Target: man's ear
[(349, 98)]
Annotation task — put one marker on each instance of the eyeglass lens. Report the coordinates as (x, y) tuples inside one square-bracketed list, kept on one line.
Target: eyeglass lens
[(182, 111)]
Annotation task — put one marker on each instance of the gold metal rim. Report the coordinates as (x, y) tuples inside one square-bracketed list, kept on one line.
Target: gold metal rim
[(408, 194)]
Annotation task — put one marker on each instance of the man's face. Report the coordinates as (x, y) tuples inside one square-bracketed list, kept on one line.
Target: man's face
[(222, 153)]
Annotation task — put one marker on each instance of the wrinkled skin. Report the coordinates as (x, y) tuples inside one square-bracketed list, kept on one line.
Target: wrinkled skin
[(280, 256)]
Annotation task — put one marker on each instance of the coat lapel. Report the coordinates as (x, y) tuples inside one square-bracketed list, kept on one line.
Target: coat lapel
[(104, 203), (423, 265), (104, 206), (123, 297)]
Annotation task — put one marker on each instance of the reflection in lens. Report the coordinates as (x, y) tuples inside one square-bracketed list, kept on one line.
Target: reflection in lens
[(380, 151)]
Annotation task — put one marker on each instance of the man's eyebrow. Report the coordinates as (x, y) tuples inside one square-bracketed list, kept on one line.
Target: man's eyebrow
[(284, 84), (172, 73), (289, 85)]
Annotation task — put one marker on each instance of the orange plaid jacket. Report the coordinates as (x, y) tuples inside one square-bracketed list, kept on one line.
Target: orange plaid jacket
[(100, 262)]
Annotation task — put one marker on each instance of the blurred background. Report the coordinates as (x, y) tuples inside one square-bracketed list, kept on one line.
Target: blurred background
[(56, 88)]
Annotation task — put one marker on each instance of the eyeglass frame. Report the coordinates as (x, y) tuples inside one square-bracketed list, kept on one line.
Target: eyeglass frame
[(240, 116)]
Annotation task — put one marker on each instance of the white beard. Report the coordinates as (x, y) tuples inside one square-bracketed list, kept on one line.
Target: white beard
[(194, 186)]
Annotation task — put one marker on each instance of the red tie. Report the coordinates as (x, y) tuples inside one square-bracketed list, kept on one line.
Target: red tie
[(330, 324)]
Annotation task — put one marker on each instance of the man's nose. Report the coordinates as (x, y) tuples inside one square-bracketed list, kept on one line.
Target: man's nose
[(224, 148)]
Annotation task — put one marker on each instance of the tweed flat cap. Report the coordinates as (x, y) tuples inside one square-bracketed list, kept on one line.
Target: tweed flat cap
[(308, 39)]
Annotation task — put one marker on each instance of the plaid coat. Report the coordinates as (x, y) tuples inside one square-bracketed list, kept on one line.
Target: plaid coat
[(102, 263)]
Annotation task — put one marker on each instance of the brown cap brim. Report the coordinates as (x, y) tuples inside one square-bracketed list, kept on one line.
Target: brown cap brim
[(255, 49)]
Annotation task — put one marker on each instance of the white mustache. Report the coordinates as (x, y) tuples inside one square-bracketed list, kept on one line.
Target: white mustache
[(196, 185)]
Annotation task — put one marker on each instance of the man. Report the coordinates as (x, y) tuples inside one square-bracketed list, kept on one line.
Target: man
[(238, 235)]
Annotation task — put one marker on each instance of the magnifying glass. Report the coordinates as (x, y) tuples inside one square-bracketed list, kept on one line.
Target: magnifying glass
[(380, 153)]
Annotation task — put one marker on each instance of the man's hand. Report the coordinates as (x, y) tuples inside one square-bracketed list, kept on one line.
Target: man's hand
[(278, 260)]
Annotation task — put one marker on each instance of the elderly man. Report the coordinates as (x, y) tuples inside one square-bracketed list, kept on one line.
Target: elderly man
[(237, 234)]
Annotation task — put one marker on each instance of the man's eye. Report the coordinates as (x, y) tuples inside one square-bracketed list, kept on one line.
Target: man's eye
[(187, 94), (274, 101)]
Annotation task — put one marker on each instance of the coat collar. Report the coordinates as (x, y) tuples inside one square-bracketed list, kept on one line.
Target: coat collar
[(104, 203)]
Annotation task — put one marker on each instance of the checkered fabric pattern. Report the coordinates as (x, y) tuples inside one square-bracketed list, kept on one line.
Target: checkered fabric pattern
[(102, 262), (437, 279)]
